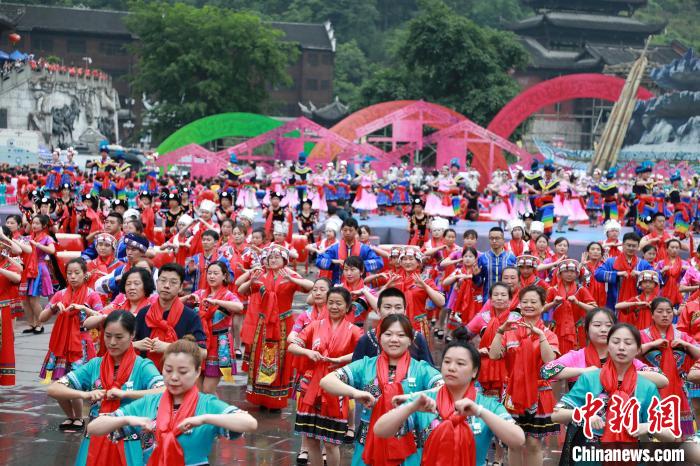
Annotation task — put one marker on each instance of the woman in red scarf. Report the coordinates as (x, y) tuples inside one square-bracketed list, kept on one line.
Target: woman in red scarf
[(574, 363), (36, 273), (136, 292), (517, 244), (617, 376), (185, 422), (635, 311), (526, 346), (363, 297), (329, 343), (70, 345), (493, 373), (316, 311), (416, 289), (148, 216), (672, 351), (216, 304), (672, 270), (465, 296), (267, 323), (234, 251), (570, 302), (105, 263), (390, 374), (108, 383), (457, 423), (592, 259)]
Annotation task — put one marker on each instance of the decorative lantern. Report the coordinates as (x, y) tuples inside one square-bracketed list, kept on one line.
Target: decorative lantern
[(14, 38)]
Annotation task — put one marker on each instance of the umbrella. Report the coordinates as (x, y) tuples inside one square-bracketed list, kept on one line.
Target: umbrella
[(614, 133), (17, 55), (4, 55)]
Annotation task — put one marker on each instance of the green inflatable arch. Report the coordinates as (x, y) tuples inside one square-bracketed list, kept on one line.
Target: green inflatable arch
[(216, 127)]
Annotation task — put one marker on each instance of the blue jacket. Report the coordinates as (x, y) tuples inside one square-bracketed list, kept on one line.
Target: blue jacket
[(324, 261), (606, 273), (492, 267)]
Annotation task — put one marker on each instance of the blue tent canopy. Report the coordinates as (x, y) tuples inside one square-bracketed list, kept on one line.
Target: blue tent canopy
[(4, 55), (17, 55)]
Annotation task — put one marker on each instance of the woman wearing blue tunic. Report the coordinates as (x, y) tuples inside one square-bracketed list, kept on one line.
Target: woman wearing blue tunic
[(456, 422), (96, 382), (617, 377), (184, 422), (374, 381)]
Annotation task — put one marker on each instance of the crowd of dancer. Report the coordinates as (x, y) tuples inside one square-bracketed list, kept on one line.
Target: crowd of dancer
[(176, 289)]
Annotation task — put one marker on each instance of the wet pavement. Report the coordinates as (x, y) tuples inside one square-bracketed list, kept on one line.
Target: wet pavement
[(29, 420)]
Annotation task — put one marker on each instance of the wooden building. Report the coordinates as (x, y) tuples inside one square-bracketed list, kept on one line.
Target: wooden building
[(583, 36)]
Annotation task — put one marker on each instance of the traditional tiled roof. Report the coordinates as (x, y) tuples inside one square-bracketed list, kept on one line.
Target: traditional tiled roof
[(543, 58), (612, 6), (104, 22), (612, 55), (589, 21)]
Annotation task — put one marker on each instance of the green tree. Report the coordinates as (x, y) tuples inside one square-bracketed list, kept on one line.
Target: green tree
[(351, 19), (351, 69), (682, 17), (448, 59), (198, 62), (492, 13)]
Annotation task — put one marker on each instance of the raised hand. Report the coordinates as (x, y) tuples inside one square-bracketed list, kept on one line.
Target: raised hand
[(425, 404)]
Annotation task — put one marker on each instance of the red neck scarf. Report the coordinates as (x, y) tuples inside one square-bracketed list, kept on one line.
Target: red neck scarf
[(517, 247), (671, 288), (669, 368), (493, 371), (319, 313), (465, 296), (609, 381), (392, 451), (206, 313), (102, 451), (202, 266), (334, 343), (168, 451), (148, 217), (524, 371), (262, 302), (439, 449), (31, 270), (628, 287), (65, 337), (96, 221), (358, 285), (591, 356), (343, 249), (103, 264), (531, 280), (163, 329), (612, 251), (662, 253)]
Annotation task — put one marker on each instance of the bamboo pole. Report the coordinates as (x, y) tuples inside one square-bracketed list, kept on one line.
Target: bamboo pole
[(610, 143)]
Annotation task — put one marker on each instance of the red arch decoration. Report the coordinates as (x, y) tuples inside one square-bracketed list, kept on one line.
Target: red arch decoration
[(561, 89), (573, 86)]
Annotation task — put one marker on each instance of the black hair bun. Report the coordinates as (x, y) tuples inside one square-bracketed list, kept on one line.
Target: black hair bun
[(461, 334)]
